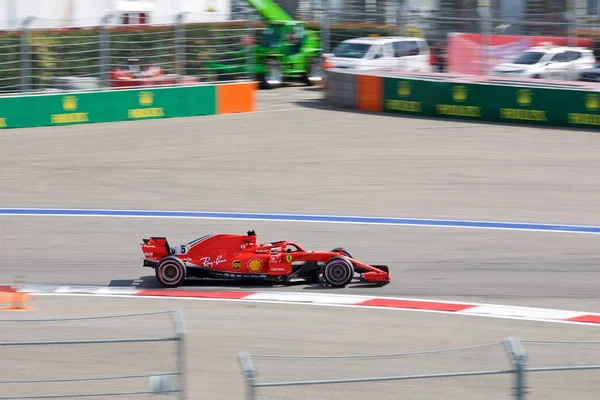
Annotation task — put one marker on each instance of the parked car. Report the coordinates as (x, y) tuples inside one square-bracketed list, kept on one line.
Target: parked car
[(387, 52), (549, 62), (591, 75)]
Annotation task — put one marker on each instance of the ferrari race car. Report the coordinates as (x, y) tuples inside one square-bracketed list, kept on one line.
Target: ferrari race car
[(238, 257)]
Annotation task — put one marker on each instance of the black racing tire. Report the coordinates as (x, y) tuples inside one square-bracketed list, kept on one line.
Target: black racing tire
[(338, 272), (344, 252), (170, 272)]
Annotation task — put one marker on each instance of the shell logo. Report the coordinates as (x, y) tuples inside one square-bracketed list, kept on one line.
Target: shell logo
[(255, 265)]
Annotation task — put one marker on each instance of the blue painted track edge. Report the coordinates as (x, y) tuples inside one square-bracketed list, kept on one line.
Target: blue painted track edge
[(565, 228)]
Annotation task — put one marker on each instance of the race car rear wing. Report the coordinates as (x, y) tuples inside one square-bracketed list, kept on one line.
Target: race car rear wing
[(156, 247)]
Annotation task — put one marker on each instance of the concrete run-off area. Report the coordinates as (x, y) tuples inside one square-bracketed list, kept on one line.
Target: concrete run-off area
[(217, 331), (298, 156)]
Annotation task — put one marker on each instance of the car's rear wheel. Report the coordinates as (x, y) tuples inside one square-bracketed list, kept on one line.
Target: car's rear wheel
[(170, 272), (338, 272)]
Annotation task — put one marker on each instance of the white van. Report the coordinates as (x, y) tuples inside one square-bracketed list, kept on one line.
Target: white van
[(389, 52)]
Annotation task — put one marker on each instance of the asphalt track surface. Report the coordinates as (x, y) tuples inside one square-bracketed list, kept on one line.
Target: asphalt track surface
[(297, 156)]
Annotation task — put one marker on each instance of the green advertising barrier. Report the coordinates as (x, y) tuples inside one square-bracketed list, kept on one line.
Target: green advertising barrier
[(163, 103), (12, 112), (106, 106), (485, 102)]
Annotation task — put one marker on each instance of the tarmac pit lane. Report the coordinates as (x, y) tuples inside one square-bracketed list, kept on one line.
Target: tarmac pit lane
[(217, 331)]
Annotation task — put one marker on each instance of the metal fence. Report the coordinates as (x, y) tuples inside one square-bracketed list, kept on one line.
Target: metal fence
[(59, 363), (35, 57), (520, 368)]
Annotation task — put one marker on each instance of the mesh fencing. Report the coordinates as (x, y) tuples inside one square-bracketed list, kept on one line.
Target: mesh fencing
[(38, 59)]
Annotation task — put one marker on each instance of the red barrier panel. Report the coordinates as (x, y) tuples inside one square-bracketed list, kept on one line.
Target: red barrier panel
[(476, 54)]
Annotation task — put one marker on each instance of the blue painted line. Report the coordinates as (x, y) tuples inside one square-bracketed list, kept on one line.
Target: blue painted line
[(303, 218)]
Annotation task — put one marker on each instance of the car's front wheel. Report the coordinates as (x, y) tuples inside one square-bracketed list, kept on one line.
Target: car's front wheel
[(170, 272), (338, 272), (344, 252)]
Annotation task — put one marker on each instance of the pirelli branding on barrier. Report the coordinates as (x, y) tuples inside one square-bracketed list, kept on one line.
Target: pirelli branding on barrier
[(544, 106)]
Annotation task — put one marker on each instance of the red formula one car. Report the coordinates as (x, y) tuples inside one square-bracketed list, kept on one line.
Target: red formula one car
[(226, 256)]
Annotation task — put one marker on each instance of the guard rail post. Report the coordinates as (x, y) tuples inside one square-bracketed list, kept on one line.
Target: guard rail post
[(26, 55), (104, 50), (518, 359), (486, 31), (399, 8), (325, 19), (250, 47), (570, 17), (249, 373), (177, 318), (180, 44)]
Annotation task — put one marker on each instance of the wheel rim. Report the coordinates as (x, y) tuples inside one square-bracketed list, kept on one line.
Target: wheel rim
[(339, 273), (273, 75), (170, 273)]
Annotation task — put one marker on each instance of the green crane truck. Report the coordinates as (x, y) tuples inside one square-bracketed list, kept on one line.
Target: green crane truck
[(286, 50)]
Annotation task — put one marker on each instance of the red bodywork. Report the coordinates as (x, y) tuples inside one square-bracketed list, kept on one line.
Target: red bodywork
[(147, 76), (238, 256)]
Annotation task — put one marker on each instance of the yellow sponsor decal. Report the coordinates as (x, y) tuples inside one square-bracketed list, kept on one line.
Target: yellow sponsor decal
[(69, 118), (524, 97), (459, 93), (523, 115), (458, 111), (2, 122), (403, 89), (584, 119), (237, 264), (145, 113), (404, 105), (69, 103), (288, 258), (255, 265), (592, 101), (146, 98)]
